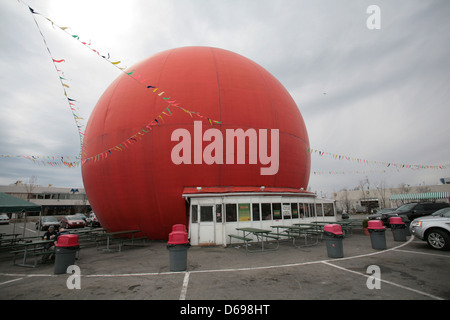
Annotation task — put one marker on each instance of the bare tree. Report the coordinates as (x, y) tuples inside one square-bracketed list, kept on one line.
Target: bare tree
[(29, 187)]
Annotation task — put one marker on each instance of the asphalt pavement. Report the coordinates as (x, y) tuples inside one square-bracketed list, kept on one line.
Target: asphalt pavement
[(404, 271)]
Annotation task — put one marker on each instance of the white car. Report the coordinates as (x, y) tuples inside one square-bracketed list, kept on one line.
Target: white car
[(4, 219), (434, 229)]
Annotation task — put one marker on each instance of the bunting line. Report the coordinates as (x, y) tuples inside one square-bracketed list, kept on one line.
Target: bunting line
[(53, 161), (137, 78), (61, 80), (167, 112), (394, 165)]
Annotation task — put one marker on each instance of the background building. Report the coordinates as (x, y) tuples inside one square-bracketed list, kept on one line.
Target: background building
[(54, 201), (363, 199)]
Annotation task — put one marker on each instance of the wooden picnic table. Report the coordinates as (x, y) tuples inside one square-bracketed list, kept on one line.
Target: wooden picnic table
[(110, 236), (263, 233), (34, 248)]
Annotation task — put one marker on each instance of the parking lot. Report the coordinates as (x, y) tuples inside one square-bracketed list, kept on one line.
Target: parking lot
[(404, 271)]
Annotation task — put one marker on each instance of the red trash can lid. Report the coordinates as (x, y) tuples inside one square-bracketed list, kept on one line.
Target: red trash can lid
[(376, 225), (67, 240), (333, 228), (396, 220), (178, 237), (178, 227)]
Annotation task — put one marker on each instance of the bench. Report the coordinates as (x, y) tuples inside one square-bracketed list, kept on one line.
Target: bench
[(125, 242), (36, 252)]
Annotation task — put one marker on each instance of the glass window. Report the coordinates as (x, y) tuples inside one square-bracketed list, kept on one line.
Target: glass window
[(294, 208), (319, 209), (302, 210), (231, 212), (256, 215), (276, 211), (312, 212), (328, 210), (286, 208), (266, 211), (244, 211), (206, 214), (218, 213), (194, 214)]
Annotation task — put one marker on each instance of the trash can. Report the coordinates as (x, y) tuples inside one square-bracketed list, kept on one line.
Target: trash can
[(178, 246), (398, 228), (65, 252), (377, 234), (333, 236)]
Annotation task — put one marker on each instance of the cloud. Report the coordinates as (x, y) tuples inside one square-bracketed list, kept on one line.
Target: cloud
[(375, 94)]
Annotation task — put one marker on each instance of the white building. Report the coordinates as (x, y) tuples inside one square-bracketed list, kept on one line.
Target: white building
[(216, 212), (364, 200), (54, 201)]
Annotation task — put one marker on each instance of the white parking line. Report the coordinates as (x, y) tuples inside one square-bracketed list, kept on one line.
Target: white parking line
[(385, 281), (6, 282), (187, 274), (185, 285), (426, 253)]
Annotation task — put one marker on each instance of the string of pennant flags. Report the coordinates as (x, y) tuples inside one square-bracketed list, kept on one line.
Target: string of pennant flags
[(172, 104), (71, 102), (394, 165), (52, 161)]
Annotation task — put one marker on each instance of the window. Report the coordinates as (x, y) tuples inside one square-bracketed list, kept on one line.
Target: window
[(309, 209), (256, 215), (244, 211), (319, 209), (218, 213), (231, 212), (302, 210), (194, 214), (294, 209), (286, 210), (266, 211), (206, 213), (276, 211), (328, 210)]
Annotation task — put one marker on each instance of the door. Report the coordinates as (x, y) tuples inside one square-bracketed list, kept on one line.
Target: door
[(206, 225)]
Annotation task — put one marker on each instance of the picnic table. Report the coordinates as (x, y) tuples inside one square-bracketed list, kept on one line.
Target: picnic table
[(33, 248), (294, 231), (259, 233), (346, 225), (117, 235), (7, 240)]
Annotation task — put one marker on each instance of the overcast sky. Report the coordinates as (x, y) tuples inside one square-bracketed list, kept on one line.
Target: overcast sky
[(374, 94)]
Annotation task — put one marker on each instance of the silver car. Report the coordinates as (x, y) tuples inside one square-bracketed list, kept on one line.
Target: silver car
[(434, 229)]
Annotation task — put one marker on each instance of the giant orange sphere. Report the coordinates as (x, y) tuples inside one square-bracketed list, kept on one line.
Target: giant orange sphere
[(129, 173)]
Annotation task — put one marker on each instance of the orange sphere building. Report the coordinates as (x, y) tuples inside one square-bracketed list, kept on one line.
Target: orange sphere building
[(136, 164)]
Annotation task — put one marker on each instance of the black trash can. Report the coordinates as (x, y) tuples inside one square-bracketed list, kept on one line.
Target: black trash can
[(333, 236), (398, 228), (65, 252), (178, 246), (377, 234)]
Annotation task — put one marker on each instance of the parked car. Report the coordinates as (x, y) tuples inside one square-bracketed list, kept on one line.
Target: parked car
[(92, 220), (411, 211), (384, 215), (434, 229), (4, 219), (81, 215), (72, 222), (46, 221)]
